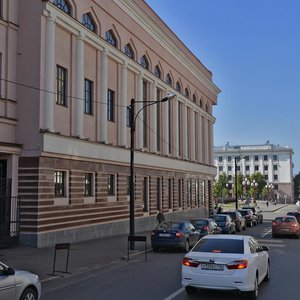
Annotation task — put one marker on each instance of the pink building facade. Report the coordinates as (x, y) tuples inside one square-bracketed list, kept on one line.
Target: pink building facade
[(69, 69)]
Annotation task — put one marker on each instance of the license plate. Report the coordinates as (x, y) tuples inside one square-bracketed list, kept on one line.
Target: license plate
[(214, 267), (285, 229), (165, 234)]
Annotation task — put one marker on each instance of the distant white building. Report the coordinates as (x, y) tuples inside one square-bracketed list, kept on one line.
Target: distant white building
[(273, 161)]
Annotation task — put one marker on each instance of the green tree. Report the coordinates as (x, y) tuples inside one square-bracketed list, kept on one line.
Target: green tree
[(256, 191), (297, 186), (219, 188)]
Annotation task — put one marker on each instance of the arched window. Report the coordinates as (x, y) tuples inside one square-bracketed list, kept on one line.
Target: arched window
[(63, 5), (111, 38), (168, 79), (157, 71), (207, 108), (194, 98), (88, 22), (187, 93), (128, 51), (144, 62), (201, 103), (178, 87)]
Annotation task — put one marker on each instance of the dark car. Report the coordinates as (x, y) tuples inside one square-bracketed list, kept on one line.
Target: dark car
[(206, 226), (180, 234), (239, 220), (225, 222), (256, 211), (249, 216), (295, 214)]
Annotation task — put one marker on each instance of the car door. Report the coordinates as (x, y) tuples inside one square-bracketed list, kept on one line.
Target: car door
[(262, 260), (7, 285)]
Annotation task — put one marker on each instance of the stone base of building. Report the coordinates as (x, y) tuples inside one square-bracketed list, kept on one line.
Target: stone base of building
[(75, 235)]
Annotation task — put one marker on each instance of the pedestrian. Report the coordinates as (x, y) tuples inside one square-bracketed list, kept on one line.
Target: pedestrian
[(219, 210), (267, 203), (160, 217)]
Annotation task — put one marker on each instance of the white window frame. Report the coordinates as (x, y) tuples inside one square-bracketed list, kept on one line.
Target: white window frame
[(112, 198), (90, 199), (62, 200)]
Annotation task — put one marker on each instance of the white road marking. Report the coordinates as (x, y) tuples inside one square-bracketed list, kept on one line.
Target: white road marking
[(172, 296), (266, 233)]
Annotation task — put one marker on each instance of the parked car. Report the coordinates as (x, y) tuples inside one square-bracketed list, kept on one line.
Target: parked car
[(287, 225), (181, 234), (257, 212), (226, 262), (206, 226), (295, 214), (239, 220), (225, 222), (18, 285), (251, 219)]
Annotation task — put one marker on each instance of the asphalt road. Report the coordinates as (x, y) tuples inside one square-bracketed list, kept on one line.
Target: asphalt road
[(159, 278)]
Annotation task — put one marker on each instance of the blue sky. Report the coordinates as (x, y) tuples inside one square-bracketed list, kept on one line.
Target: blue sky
[(252, 48)]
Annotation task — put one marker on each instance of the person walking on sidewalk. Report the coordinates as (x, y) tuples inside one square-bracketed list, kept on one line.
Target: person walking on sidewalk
[(160, 217)]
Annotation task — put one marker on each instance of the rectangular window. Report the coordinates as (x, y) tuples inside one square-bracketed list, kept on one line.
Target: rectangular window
[(111, 184), (170, 193), (59, 184), (61, 86), (256, 157), (0, 63), (247, 168), (220, 158), (128, 186), (266, 168), (221, 168), (1, 9), (256, 168), (145, 116), (189, 192), (128, 116), (229, 168), (88, 96), (229, 177), (146, 194), (110, 105), (238, 168), (266, 177), (180, 192), (265, 157), (88, 184), (275, 177), (246, 158), (275, 167), (275, 157), (228, 158), (158, 196)]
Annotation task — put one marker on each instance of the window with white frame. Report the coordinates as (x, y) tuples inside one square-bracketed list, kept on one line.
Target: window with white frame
[(88, 96), (61, 86), (110, 105), (146, 194), (111, 184), (88, 184), (88, 22), (60, 179), (63, 5)]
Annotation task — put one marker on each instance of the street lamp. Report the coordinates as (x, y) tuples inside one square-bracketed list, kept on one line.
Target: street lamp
[(133, 118), (254, 185), (246, 183)]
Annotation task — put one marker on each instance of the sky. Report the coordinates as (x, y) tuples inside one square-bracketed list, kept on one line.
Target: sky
[(252, 47)]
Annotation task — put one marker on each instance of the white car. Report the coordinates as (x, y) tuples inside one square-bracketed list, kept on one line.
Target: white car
[(18, 285), (226, 262)]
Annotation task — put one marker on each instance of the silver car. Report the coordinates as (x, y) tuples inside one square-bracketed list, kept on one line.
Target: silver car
[(18, 285)]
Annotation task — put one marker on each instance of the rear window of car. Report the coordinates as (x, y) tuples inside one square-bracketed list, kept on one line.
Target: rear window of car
[(170, 225), (286, 220), (199, 222), (231, 214), (220, 246), (296, 214), (220, 218), (245, 212)]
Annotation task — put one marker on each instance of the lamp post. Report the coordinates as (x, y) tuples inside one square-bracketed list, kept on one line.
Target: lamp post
[(133, 117), (254, 185), (246, 183), (235, 184)]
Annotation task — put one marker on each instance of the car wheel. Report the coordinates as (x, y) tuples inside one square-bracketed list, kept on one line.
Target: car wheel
[(267, 277), (190, 290), (254, 294), (186, 246), (29, 294)]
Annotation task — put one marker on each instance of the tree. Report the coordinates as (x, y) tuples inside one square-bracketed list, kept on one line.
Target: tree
[(256, 191), (297, 186), (219, 188)]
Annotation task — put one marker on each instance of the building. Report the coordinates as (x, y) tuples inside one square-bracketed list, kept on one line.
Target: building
[(69, 69), (274, 162)]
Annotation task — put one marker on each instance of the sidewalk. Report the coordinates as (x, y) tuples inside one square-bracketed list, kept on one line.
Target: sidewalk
[(83, 256)]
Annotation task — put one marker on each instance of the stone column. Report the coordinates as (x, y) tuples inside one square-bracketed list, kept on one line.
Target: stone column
[(165, 140), (176, 131), (192, 132), (139, 119), (200, 140), (79, 85), (49, 95), (123, 107), (185, 131), (103, 97), (153, 134), (206, 141)]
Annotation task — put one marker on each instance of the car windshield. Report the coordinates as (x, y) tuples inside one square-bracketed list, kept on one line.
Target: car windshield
[(284, 219), (199, 222), (220, 218), (169, 225), (296, 214), (220, 246), (245, 212)]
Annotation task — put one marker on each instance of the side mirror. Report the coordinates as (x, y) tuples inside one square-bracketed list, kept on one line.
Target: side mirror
[(10, 271), (265, 248)]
